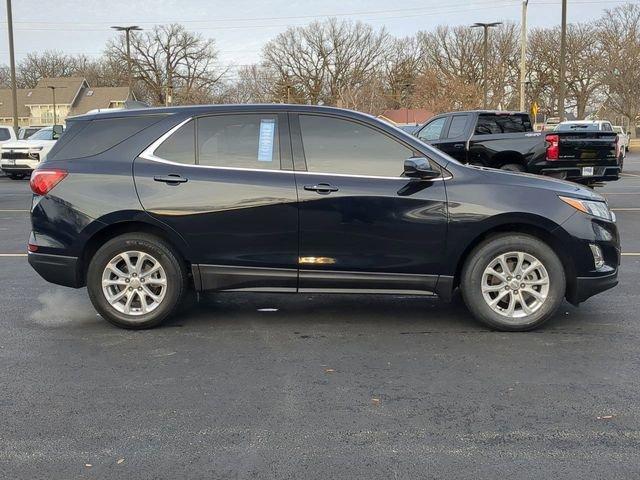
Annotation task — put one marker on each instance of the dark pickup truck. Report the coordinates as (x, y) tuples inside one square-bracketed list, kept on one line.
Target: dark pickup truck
[(506, 140)]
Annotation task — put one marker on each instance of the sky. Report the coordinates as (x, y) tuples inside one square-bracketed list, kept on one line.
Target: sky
[(241, 27)]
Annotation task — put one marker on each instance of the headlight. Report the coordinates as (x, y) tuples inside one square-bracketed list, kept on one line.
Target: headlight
[(590, 207)]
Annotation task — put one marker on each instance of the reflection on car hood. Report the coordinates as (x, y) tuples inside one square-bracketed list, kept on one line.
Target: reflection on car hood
[(561, 187)]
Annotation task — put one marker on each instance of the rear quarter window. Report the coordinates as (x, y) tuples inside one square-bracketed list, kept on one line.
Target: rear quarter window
[(491, 124), (88, 138)]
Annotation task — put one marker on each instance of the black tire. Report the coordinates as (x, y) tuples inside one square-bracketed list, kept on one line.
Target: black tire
[(174, 269), (483, 255), (512, 167)]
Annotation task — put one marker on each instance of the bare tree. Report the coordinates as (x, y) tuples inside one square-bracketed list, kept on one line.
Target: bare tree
[(43, 65), (619, 46), (171, 59), (583, 68), (326, 62)]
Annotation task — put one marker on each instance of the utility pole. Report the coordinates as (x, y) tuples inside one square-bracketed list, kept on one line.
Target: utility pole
[(563, 52), (523, 55), (485, 58), (127, 31), (12, 62)]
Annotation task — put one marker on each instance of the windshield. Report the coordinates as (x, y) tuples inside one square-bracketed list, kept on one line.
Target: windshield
[(578, 127), (44, 134)]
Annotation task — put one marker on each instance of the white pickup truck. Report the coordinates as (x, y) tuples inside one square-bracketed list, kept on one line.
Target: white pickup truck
[(19, 158), (623, 137)]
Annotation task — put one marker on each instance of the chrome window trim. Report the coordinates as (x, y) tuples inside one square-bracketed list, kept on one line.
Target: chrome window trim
[(149, 154)]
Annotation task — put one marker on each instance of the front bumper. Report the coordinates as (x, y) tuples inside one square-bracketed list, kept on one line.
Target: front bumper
[(587, 287), (58, 269)]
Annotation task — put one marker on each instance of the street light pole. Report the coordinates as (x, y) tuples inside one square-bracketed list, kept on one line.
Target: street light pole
[(127, 31), (563, 52), (485, 57), (53, 92), (12, 62), (523, 54)]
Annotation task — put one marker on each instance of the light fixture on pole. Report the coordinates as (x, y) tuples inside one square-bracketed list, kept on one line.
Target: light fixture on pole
[(127, 30), (53, 94), (485, 55)]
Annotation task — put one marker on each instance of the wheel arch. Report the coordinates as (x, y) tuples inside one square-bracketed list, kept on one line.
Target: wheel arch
[(507, 157), (109, 231), (535, 230)]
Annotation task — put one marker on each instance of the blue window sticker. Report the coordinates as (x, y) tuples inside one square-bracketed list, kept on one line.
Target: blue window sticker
[(265, 142)]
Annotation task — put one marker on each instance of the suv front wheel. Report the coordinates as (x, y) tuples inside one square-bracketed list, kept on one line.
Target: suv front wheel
[(136, 281), (513, 282)]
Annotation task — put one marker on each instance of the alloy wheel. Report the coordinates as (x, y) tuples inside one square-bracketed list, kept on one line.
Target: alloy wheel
[(515, 285), (134, 283)]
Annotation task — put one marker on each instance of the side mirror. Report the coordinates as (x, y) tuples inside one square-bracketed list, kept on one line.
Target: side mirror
[(57, 131), (419, 168)]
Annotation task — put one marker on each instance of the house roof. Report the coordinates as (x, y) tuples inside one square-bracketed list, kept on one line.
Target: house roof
[(403, 116), (66, 90), (6, 102), (72, 91), (99, 97)]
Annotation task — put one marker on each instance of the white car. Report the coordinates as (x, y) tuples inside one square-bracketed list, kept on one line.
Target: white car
[(7, 134), (20, 157), (623, 137)]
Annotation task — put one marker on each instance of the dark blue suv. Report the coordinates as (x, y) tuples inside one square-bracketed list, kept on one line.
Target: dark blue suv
[(143, 206)]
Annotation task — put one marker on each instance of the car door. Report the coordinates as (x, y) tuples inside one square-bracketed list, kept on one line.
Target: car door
[(225, 183), (362, 225), (453, 141)]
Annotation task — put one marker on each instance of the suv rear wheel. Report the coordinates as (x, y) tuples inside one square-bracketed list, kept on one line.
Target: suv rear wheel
[(136, 281), (513, 282)]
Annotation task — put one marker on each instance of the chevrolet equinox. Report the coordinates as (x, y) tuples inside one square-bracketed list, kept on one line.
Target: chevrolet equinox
[(142, 206)]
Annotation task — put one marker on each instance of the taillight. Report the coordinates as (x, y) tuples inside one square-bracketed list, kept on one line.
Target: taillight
[(553, 147), (43, 181)]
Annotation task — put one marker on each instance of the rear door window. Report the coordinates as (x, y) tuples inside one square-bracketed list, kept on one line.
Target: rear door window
[(491, 124), (458, 126), (239, 141)]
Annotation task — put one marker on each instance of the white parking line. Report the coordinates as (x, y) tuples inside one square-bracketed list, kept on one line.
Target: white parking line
[(629, 209), (13, 211), (630, 254), (13, 254)]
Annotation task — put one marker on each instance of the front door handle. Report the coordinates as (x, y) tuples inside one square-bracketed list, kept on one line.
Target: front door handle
[(458, 145), (323, 188), (171, 179)]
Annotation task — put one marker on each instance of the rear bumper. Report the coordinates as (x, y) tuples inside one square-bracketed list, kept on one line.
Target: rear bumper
[(57, 269), (574, 173), (587, 287)]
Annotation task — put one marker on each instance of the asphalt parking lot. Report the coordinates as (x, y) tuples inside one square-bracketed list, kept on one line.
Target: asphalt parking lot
[(309, 386)]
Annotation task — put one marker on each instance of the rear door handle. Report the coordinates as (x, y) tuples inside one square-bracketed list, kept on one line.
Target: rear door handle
[(323, 188), (171, 179)]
